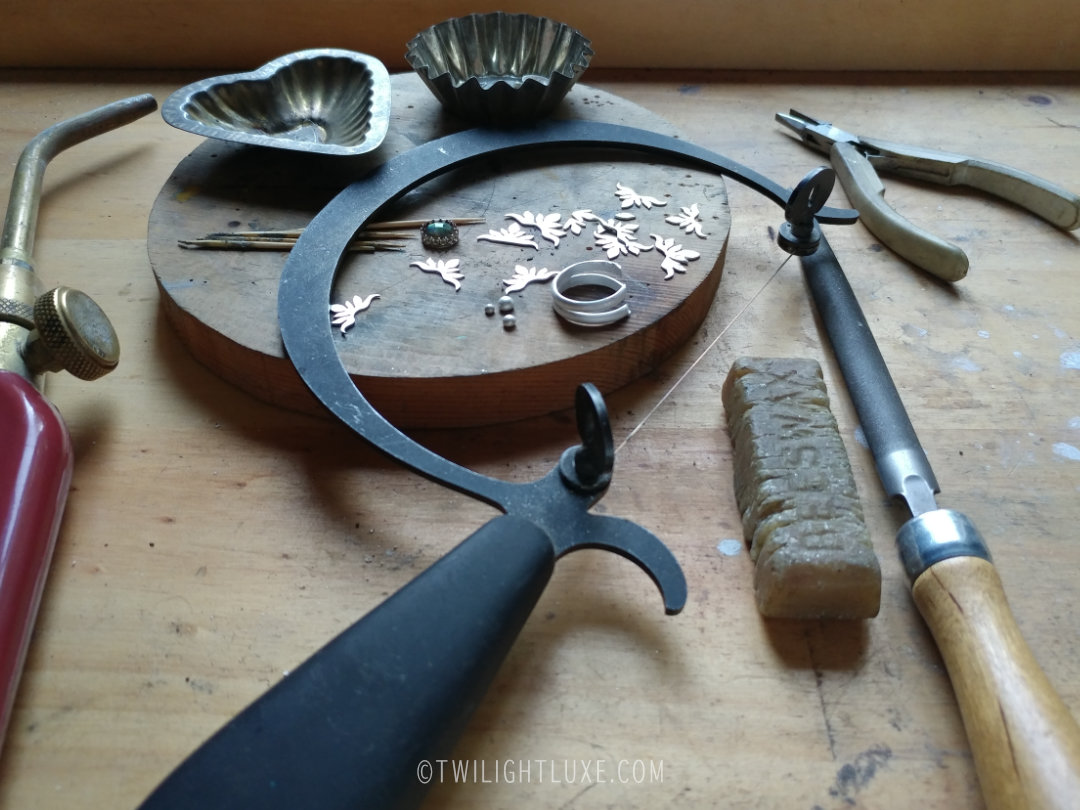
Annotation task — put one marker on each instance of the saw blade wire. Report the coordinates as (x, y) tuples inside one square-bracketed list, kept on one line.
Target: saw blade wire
[(700, 357)]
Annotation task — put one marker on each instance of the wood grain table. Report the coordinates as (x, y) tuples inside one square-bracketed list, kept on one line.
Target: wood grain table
[(212, 541)]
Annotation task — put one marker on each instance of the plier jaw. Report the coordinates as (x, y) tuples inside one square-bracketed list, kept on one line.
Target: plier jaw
[(820, 135)]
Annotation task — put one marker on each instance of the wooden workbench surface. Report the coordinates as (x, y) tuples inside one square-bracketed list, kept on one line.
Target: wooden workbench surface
[(212, 542)]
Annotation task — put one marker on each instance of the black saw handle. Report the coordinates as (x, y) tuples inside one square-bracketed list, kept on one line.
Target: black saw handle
[(364, 721)]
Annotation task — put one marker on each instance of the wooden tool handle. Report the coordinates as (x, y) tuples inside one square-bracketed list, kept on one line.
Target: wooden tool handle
[(1025, 742)]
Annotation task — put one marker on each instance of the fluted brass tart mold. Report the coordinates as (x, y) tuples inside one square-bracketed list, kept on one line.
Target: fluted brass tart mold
[(499, 68)]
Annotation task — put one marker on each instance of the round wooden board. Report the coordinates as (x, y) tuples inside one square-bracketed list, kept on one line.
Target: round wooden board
[(424, 353)]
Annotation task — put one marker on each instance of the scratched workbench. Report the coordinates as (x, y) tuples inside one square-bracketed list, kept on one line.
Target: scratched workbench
[(212, 542)]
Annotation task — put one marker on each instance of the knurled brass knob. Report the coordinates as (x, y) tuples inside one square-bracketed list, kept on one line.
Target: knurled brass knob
[(72, 333)]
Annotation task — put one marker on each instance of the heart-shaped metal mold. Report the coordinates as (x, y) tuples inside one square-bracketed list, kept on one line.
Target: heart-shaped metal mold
[(323, 100), (499, 68)]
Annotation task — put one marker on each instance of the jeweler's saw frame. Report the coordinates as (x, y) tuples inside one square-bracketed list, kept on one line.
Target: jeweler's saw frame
[(349, 727)]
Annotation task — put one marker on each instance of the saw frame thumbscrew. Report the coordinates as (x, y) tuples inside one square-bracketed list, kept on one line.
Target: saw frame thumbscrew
[(800, 235), (587, 467)]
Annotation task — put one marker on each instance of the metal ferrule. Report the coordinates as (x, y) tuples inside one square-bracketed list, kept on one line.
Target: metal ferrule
[(939, 535), (906, 473), (19, 288)]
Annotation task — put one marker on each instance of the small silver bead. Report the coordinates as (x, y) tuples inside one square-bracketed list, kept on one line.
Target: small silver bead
[(509, 322), (506, 304), (489, 309)]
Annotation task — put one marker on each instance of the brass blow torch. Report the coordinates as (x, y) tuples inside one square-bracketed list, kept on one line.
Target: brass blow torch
[(40, 331)]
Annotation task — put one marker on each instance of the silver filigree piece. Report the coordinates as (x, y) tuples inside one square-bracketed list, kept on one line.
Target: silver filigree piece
[(513, 234), (688, 220), (620, 226), (449, 270), (675, 256), (579, 220), (548, 224), (344, 315), (610, 244), (618, 238), (631, 199), (523, 276)]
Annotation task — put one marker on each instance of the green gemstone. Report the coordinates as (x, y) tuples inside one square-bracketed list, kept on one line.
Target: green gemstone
[(440, 229), (439, 234)]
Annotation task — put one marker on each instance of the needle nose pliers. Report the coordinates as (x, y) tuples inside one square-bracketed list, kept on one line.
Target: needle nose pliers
[(858, 160)]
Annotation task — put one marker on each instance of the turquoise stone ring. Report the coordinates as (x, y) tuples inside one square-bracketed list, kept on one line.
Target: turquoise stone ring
[(439, 234)]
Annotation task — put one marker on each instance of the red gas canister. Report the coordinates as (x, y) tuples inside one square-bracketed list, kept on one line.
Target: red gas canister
[(35, 473)]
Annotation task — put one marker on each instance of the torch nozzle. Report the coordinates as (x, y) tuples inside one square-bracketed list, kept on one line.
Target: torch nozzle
[(20, 222)]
